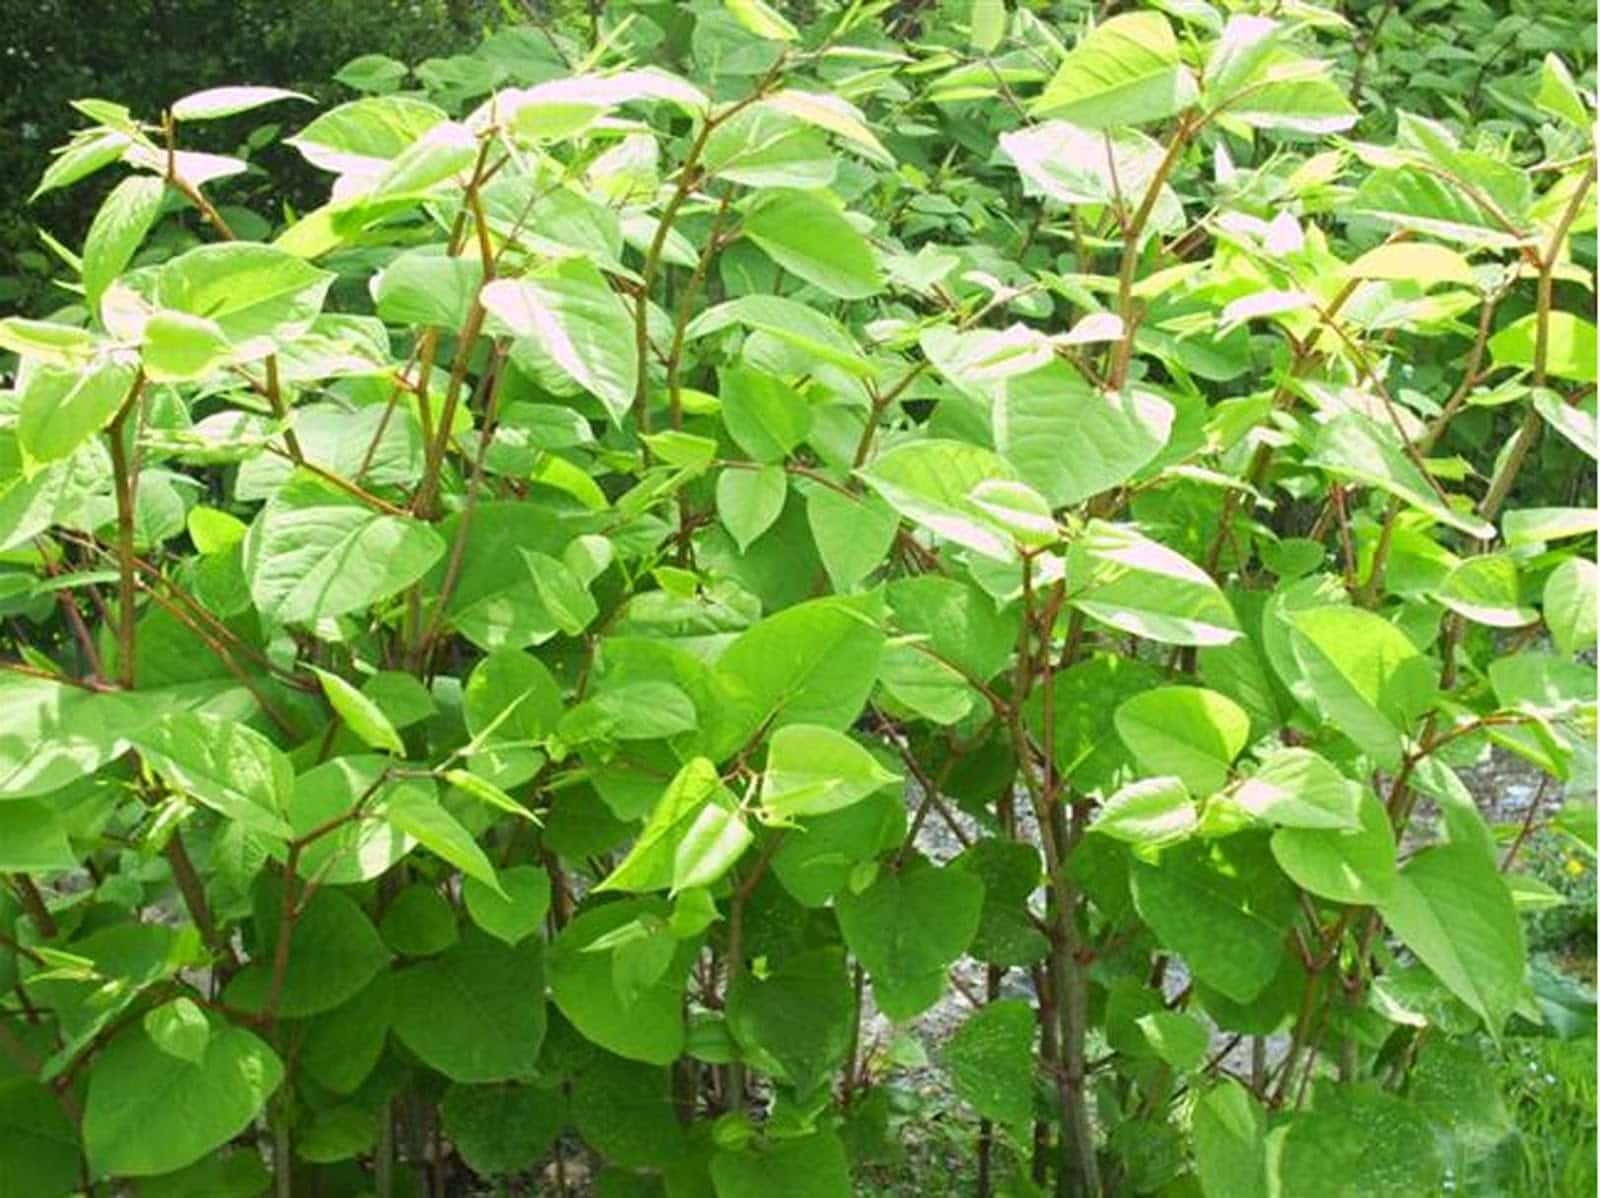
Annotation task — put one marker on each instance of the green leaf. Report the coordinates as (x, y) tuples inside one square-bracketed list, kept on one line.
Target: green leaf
[(1347, 866), (1357, 1139), (625, 1112), (1297, 788), (424, 288), (1418, 261), (749, 501), (790, 322), (1486, 590), (80, 158), (907, 928), (33, 840), (812, 1166), (217, 102), (1558, 95), (1572, 604), (419, 921), (230, 768), (360, 849), (991, 1061), (765, 415), (418, 815), (38, 1145), (1071, 442), (1365, 677), (516, 911), (796, 1021), (372, 73), (1571, 345), (570, 316), (1223, 907), (360, 714), (1230, 1143), (693, 836), (1451, 908), (511, 698), (476, 1013), (853, 534), (1535, 525), (987, 25), (814, 663), (1127, 71), (1149, 813), (149, 1112), (931, 482), (46, 341), (1411, 198), (818, 862), (833, 113), (314, 552), (650, 1028), (1575, 421), (179, 348), (502, 1129), (334, 953), (60, 408), (1134, 584), (812, 770), (260, 297), (118, 230), (1010, 873), (179, 1028), (343, 1046), (562, 592), (810, 238), (762, 19), (1289, 94), (1186, 731), (1355, 447), (364, 136)]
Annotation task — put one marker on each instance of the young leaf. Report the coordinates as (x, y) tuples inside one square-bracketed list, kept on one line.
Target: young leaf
[(118, 229), (1149, 813), (1572, 604), (810, 238), (748, 501), (516, 912), (1134, 584), (1188, 731), (59, 409), (650, 1028), (1340, 864), (1127, 71), (692, 837), (1451, 908), (363, 717), (569, 315), (217, 102), (766, 416), (230, 768), (813, 770), (420, 816)]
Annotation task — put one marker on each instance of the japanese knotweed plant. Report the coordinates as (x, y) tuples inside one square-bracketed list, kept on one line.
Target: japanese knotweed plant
[(483, 666)]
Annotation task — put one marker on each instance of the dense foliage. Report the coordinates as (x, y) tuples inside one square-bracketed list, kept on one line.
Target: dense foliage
[(470, 643)]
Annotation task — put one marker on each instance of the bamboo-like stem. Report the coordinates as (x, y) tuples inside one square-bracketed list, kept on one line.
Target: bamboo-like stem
[(125, 483)]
